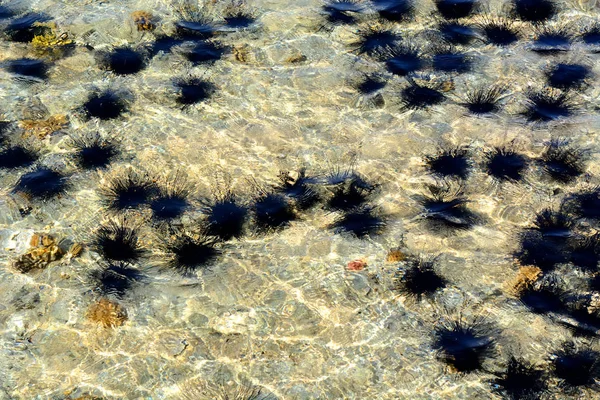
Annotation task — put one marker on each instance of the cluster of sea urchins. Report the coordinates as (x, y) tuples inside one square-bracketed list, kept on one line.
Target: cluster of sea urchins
[(559, 241)]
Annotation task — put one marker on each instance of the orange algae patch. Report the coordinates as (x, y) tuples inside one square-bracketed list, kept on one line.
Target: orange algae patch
[(107, 313)]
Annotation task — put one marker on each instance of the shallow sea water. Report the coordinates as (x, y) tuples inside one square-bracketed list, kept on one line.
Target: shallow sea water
[(277, 310)]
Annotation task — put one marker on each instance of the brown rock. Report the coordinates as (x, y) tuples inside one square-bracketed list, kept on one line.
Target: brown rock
[(44, 250)]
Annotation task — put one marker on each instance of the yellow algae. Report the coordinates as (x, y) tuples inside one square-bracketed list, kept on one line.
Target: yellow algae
[(43, 127)]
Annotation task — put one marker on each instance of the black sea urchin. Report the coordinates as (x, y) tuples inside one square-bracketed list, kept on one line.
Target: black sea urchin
[(6, 12), (591, 37), (402, 59), (463, 345), (41, 183), (351, 193), (447, 211), (127, 190), (456, 32), (543, 297), (394, 10), (104, 105), (190, 254), (360, 221), (17, 157), (299, 187), (506, 164), (484, 100), (568, 75), (585, 204), (555, 224), (115, 279), (193, 90), (370, 84), (200, 28), (373, 40), (118, 241), (419, 278), (273, 211), (552, 40), (94, 151), (448, 59), (417, 97), (123, 61), (562, 163), (237, 18), (454, 9), (453, 162), (534, 10), (28, 68), (576, 368), (499, 31), (544, 252), (548, 105), (585, 252), (171, 200), (342, 12), (26, 27), (545, 244), (226, 217), (205, 52), (520, 381)]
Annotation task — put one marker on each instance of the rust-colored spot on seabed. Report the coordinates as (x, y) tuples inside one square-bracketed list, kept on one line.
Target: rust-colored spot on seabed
[(356, 265)]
